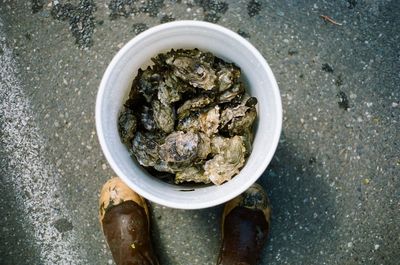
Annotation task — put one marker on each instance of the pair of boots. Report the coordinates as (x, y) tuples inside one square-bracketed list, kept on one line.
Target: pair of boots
[(125, 221)]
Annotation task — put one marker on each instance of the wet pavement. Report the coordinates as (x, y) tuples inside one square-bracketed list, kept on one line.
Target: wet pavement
[(333, 183)]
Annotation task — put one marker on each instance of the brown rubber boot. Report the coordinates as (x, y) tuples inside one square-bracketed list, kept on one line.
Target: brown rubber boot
[(125, 221), (245, 227)]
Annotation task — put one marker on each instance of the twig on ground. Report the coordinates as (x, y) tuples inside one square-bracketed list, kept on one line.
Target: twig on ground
[(329, 19)]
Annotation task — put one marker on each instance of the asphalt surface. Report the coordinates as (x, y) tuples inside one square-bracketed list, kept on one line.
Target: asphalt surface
[(333, 183)]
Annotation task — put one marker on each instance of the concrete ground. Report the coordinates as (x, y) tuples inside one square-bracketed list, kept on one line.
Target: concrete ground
[(333, 183)]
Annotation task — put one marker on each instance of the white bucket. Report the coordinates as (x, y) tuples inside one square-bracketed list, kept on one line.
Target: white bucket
[(115, 86)]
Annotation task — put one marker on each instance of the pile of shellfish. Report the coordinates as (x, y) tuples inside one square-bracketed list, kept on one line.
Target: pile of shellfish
[(188, 118)]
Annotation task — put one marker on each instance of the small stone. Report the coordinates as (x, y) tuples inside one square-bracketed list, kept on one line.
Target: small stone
[(139, 28), (376, 247), (350, 244), (395, 104), (366, 181), (104, 166), (343, 100), (253, 8), (376, 120), (327, 68)]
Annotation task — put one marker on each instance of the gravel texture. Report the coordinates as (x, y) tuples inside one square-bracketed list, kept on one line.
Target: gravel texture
[(333, 183)]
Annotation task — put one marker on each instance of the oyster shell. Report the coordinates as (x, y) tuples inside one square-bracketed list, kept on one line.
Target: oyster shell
[(217, 144), (229, 95), (173, 82), (194, 67), (168, 95), (189, 122), (191, 174), (247, 138), (238, 119), (179, 147), (228, 74), (195, 103), (147, 83), (229, 114), (204, 147), (209, 121), (127, 125), (163, 116), (146, 147), (239, 125), (170, 167), (147, 119), (227, 163)]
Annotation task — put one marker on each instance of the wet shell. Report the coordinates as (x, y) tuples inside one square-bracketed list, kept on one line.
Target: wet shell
[(195, 104), (194, 68), (209, 121), (179, 147), (223, 166), (127, 126), (163, 116), (146, 148), (147, 83), (228, 74), (191, 174)]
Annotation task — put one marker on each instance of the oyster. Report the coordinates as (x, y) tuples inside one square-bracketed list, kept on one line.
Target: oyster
[(163, 116), (169, 167), (209, 121), (194, 67), (191, 174), (179, 147), (173, 82), (229, 114), (189, 122), (195, 103), (147, 119), (147, 83), (188, 116), (127, 126), (238, 119), (146, 147), (204, 147), (223, 166), (168, 95), (236, 91), (247, 138), (217, 144), (228, 74), (239, 125)]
